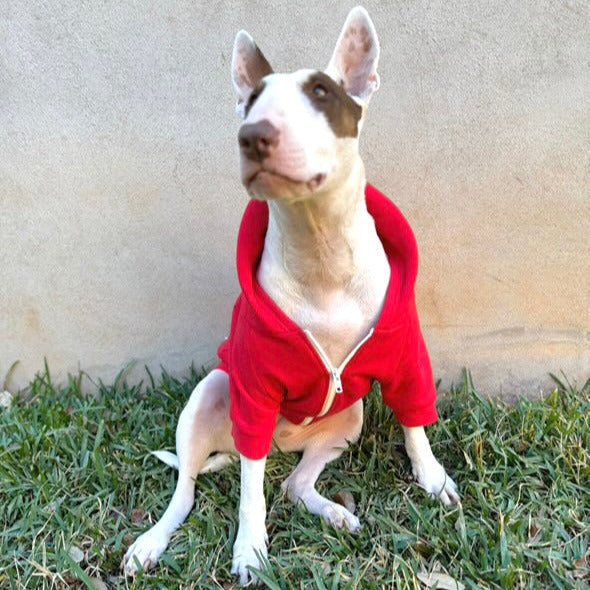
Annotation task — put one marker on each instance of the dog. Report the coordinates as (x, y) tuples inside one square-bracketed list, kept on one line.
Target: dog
[(327, 267)]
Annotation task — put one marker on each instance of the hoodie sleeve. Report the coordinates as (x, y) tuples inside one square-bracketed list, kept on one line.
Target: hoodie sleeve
[(254, 415), (411, 393), (254, 406)]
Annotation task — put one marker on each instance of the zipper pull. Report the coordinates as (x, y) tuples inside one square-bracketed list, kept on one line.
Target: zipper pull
[(337, 380)]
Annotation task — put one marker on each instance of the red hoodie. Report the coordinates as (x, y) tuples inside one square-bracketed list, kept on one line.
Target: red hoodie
[(276, 367)]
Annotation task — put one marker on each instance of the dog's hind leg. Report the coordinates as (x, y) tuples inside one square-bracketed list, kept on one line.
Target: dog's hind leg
[(325, 441), (203, 428), (300, 486)]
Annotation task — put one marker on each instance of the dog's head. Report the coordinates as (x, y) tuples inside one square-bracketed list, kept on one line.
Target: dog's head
[(300, 131)]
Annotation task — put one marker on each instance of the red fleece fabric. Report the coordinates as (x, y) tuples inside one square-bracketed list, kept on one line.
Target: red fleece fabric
[(273, 367)]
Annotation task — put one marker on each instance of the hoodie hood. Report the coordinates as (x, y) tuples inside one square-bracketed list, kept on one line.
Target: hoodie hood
[(393, 230)]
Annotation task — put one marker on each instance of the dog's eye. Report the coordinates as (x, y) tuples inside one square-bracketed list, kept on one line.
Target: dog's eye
[(320, 90)]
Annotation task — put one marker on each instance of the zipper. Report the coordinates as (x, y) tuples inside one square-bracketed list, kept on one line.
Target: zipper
[(335, 373), (337, 381)]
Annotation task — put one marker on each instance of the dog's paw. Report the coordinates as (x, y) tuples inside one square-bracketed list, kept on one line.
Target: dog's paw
[(145, 552), (339, 517), (434, 480), (249, 549)]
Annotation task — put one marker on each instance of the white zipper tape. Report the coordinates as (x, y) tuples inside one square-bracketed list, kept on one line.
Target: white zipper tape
[(335, 386)]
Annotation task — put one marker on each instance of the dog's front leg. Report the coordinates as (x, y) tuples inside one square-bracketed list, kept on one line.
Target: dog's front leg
[(251, 539), (429, 473)]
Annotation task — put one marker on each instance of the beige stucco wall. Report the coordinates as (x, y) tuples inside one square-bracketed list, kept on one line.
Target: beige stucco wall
[(120, 198)]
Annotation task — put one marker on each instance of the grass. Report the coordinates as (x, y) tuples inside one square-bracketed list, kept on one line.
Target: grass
[(77, 485)]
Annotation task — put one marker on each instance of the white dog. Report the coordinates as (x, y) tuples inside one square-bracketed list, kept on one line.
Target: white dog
[(327, 267)]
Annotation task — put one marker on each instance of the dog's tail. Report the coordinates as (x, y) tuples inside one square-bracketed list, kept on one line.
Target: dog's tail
[(214, 463), (166, 457)]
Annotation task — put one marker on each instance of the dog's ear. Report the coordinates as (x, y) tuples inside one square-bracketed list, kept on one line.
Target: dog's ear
[(354, 61), (248, 67)]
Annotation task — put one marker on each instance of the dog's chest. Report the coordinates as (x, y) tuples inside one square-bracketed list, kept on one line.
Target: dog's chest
[(338, 318)]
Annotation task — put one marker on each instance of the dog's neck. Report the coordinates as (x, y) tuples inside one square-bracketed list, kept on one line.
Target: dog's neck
[(324, 265), (315, 241)]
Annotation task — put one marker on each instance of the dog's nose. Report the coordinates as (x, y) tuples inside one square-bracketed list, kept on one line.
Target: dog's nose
[(257, 140)]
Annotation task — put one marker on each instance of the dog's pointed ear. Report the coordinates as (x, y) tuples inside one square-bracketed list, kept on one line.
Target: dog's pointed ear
[(354, 61), (248, 67)]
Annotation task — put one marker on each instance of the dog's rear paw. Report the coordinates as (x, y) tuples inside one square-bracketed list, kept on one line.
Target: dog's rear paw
[(435, 481), (339, 517), (144, 553)]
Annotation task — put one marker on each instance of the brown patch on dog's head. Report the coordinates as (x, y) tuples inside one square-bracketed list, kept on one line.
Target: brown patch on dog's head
[(341, 111)]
